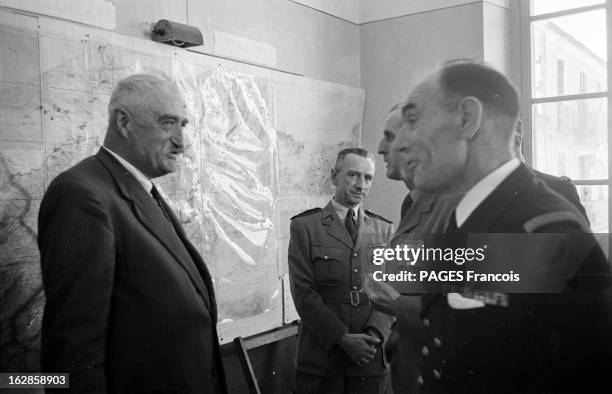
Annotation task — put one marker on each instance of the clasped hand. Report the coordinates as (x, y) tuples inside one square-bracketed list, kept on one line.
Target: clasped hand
[(361, 348)]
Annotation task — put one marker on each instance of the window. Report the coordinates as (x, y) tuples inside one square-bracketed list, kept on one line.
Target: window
[(566, 96)]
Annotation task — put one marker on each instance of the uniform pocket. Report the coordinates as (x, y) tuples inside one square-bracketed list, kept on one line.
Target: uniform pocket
[(328, 263)]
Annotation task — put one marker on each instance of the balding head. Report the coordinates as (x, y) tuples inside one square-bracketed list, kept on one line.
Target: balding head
[(458, 126), (137, 91)]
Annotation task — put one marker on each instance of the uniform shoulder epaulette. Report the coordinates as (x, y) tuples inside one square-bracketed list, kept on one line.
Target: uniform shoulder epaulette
[(551, 218), (307, 212), (377, 216), (565, 178)]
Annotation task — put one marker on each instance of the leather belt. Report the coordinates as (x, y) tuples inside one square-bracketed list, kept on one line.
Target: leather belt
[(338, 296)]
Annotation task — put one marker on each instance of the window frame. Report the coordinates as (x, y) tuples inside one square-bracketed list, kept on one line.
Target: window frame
[(528, 101)]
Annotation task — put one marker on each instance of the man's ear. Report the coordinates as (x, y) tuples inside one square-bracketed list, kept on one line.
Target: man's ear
[(333, 177), (471, 112), (122, 119)]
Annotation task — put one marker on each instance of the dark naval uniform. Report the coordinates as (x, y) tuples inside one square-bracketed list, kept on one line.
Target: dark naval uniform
[(562, 185), (326, 268), (515, 343)]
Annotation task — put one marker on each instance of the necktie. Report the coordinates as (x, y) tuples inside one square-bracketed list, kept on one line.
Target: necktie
[(158, 198), (406, 204), (178, 231), (351, 224)]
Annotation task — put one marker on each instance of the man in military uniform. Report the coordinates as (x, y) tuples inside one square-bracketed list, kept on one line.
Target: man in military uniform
[(458, 130), (393, 123), (421, 213), (341, 336)]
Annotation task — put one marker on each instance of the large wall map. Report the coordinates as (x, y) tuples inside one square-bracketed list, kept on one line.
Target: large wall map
[(261, 145)]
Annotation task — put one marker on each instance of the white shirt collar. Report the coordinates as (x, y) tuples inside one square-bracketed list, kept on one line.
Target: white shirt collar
[(342, 211), (140, 177), (482, 189)]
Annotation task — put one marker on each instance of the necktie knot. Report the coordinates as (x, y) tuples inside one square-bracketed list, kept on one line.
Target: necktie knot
[(155, 193), (160, 202)]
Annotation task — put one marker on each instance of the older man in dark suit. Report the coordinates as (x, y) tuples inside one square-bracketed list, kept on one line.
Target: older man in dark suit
[(459, 123), (130, 303)]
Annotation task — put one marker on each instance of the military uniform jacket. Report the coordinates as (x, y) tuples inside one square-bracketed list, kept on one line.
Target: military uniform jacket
[(428, 214), (325, 269), (562, 185), (537, 342)]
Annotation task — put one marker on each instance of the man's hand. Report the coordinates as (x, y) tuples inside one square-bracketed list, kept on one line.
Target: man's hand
[(373, 332), (359, 347), (381, 295)]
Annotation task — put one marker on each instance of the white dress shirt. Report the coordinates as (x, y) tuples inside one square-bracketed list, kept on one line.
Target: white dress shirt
[(140, 177), (473, 198), (482, 189), (342, 211)]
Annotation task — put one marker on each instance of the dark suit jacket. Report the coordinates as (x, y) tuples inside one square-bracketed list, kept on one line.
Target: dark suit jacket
[(538, 342), (324, 268), (130, 303)]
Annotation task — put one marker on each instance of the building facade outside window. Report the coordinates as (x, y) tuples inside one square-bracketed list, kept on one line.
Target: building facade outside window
[(566, 96)]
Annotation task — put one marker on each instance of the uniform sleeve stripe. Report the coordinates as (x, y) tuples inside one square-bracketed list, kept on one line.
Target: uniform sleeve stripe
[(551, 218)]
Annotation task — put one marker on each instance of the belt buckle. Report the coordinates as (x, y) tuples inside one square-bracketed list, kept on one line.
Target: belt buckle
[(355, 298)]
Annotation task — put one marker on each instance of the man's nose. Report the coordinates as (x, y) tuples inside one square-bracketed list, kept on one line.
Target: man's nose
[(383, 147), (361, 183), (178, 138)]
